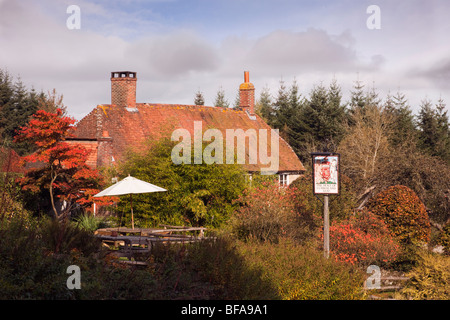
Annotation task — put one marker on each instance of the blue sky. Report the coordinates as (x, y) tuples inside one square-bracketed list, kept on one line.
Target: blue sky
[(180, 46)]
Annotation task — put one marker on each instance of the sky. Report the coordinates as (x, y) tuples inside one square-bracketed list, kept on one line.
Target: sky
[(179, 47)]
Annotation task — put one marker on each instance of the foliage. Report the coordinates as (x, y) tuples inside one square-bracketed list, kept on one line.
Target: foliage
[(428, 176), (198, 195), (17, 104), (62, 168), (444, 239), (401, 127), (403, 212), (224, 264), (89, 222), (302, 273), (314, 123), (220, 100), (199, 99), (263, 106), (363, 240), (269, 212), (365, 146), (434, 130), (430, 279), (31, 267), (341, 207)]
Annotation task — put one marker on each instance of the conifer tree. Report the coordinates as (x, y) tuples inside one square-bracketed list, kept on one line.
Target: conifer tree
[(358, 97), (402, 120), (220, 100), (264, 106), (199, 99), (434, 131)]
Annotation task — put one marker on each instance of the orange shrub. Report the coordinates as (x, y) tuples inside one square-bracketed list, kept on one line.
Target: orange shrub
[(403, 212), (363, 240)]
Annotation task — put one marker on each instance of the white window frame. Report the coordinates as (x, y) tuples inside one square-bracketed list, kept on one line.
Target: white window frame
[(283, 179)]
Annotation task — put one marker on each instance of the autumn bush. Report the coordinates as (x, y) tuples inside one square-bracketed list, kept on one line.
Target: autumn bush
[(363, 240), (429, 279), (444, 239), (403, 212), (301, 272), (269, 212)]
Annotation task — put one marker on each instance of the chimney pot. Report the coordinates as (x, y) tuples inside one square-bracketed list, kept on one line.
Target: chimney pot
[(246, 77), (123, 88), (247, 94)]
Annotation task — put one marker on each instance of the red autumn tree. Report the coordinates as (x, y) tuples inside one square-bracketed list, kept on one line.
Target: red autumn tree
[(60, 167)]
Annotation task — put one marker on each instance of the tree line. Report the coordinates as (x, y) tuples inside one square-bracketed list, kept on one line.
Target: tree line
[(381, 141), (18, 104)]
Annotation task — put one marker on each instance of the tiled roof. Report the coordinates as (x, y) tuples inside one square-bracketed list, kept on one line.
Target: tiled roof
[(132, 126), (10, 161)]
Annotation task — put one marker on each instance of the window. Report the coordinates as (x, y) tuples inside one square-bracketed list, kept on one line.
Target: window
[(284, 180)]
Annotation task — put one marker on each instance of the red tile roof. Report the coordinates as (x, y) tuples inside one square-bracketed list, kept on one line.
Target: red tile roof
[(10, 161), (132, 126)]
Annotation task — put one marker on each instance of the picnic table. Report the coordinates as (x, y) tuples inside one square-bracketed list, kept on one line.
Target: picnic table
[(128, 242)]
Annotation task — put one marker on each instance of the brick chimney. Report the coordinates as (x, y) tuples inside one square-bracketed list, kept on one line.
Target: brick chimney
[(123, 88), (247, 95)]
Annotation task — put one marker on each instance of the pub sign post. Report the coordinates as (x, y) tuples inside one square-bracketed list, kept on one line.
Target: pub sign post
[(326, 175)]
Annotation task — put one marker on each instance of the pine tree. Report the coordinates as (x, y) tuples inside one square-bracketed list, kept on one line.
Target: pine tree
[(434, 132), (237, 100), (280, 106), (220, 100), (358, 97), (443, 145), (402, 120), (264, 106), (199, 99), (17, 104)]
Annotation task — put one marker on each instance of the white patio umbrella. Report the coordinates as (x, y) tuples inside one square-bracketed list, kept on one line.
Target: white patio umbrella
[(129, 185)]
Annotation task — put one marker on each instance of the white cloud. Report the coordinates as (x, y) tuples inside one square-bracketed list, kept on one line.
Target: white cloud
[(173, 62)]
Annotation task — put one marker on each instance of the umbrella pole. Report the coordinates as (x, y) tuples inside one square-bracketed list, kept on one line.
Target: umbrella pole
[(132, 218)]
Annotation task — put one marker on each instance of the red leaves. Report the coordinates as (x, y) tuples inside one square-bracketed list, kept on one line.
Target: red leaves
[(46, 129), (63, 168), (403, 212), (363, 240)]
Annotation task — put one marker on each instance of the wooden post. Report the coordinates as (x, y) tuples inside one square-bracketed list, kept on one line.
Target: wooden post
[(326, 227), (132, 217)]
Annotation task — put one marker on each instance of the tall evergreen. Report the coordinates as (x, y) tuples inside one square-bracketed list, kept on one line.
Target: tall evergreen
[(264, 106), (324, 118), (401, 126), (443, 145), (358, 97), (17, 104), (434, 131), (281, 106)]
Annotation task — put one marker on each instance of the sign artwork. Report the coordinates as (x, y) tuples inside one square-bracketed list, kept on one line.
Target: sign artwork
[(326, 174)]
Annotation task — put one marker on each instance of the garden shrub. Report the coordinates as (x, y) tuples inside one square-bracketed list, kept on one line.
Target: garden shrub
[(429, 279), (363, 240), (301, 272), (64, 236), (270, 212), (444, 239), (404, 214), (342, 206), (224, 265)]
